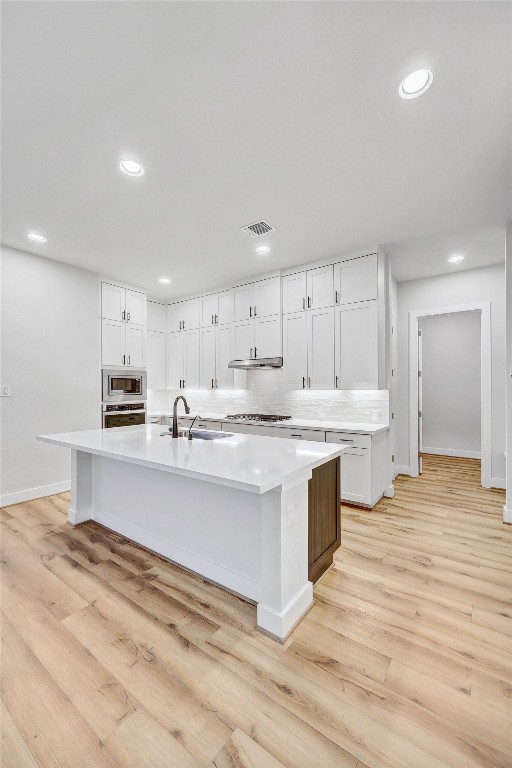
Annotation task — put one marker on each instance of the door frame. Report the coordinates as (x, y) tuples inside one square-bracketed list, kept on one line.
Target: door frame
[(485, 382)]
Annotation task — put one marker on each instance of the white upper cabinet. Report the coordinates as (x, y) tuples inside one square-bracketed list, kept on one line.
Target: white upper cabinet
[(175, 360), (356, 280), (155, 361), (135, 306), (225, 313), (208, 375), (113, 343), (216, 309), (295, 350), (294, 293), (320, 287), (321, 348), (156, 316), (267, 337), (259, 299), (135, 345), (357, 346), (267, 297), (224, 353), (243, 340), (192, 359), (112, 301), (216, 352), (184, 315)]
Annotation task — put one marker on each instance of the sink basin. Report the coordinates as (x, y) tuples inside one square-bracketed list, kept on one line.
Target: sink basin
[(209, 434)]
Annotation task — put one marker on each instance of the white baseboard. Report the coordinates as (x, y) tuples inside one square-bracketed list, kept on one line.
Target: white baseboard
[(498, 482), (452, 452), (34, 493), (507, 515), (402, 470)]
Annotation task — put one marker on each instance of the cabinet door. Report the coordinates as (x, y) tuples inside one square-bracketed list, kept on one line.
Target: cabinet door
[(321, 348), (155, 360), (356, 280), (225, 313), (191, 314), (209, 310), (267, 337), (294, 292), (112, 342), (357, 346), (135, 345), (156, 316), (192, 359), (267, 297), (295, 350), (136, 307), (242, 302), (175, 357), (112, 302), (356, 476), (243, 340), (320, 287), (174, 317), (224, 354), (207, 361)]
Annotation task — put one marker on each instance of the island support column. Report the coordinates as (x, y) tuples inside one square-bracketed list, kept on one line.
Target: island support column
[(286, 592)]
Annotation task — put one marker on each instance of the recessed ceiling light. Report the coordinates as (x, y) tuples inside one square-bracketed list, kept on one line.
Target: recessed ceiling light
[(164, 279), (37, 238), (131, 167), (456, 258), (262, 249), (415, 83)]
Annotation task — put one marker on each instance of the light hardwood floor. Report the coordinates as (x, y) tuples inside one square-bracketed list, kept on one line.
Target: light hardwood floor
[(113, 657)]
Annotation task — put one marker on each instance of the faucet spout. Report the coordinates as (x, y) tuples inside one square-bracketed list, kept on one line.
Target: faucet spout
[(175, 414)]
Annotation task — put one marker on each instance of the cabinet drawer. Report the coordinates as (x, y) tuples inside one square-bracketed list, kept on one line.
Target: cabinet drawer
[(349, 439), (208, 424), (317, 435), (249, 429)]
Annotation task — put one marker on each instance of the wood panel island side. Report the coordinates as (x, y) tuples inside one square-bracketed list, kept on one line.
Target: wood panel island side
[(233, 509)]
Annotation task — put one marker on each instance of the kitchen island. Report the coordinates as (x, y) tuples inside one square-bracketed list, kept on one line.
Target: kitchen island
[(233, 509)]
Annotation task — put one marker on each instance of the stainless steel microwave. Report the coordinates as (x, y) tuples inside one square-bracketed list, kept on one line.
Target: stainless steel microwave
[(123, 386)]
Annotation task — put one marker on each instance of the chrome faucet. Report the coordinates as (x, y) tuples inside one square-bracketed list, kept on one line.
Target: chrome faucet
[(175, 414)]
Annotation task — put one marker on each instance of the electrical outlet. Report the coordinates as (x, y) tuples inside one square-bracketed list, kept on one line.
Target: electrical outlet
[(5, 390), (291, 515)]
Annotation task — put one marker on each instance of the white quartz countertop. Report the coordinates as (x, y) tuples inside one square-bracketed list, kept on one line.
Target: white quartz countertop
[(366, 428), (247, 462)]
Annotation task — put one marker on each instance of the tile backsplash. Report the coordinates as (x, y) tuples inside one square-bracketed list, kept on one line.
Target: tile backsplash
[(265, 392)]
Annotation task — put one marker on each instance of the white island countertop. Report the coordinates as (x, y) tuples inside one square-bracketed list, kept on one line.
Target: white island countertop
[(247, 462)]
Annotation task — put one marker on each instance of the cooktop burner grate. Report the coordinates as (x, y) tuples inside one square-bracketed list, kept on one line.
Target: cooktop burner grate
[(256, 417)]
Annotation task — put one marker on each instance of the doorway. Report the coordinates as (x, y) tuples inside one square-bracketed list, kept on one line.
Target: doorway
[(450, 385)]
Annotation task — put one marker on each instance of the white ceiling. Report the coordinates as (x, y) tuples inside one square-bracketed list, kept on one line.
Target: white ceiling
[(245, 110)]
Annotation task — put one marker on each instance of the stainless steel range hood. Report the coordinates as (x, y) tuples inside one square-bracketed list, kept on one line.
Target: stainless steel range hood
[(258, 363)]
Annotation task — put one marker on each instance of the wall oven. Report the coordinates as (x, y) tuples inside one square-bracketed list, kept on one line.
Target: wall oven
[(123, 386), (123, 414)]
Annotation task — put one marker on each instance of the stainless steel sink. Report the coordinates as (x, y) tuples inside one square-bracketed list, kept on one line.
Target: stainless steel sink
[(200, 434)]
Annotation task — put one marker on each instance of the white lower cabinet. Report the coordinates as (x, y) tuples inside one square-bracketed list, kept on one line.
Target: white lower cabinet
[(363, 467), (156, 360), (248, 429), (318, 435)]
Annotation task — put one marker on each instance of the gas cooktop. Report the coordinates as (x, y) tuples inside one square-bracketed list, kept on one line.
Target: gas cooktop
[(256, 417)]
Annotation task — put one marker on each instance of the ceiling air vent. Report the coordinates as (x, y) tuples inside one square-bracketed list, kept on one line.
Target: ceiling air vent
[(258, 228)]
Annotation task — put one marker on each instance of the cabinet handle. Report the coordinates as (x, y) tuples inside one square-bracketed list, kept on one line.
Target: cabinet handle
[(183, 325), (216, 383), (336, 297), (213, 322), (336, 382), (128, 317), (129, 358), (255, 350), (303, 382), (250, 311), (254, 311), (183, 383), (216, 319), (123, 316), (124, 359), (250, 353), (309, 382), (180, 330), (212, 383), (299, 436), (309, 302), (303, 303)]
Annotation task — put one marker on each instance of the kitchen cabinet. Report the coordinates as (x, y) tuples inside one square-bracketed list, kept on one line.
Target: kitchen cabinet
[(259, 299), (216, 351), (216, 309), (248, 429), (356, 280), (357, 347), (309, 289), (156, 316), (364, 476), (123, 304), (308, 349), (184, 315), (122, 344), (257, 338), (183, 355), (318, 435), (324, 520), (155, 363)]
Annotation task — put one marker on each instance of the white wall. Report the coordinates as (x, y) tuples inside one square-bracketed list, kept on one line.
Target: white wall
[(508, 505), (475, 285), (51, 359), (451, 384)]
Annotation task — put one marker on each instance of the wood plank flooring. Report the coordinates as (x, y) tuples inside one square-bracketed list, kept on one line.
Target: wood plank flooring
[(112, 657)]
